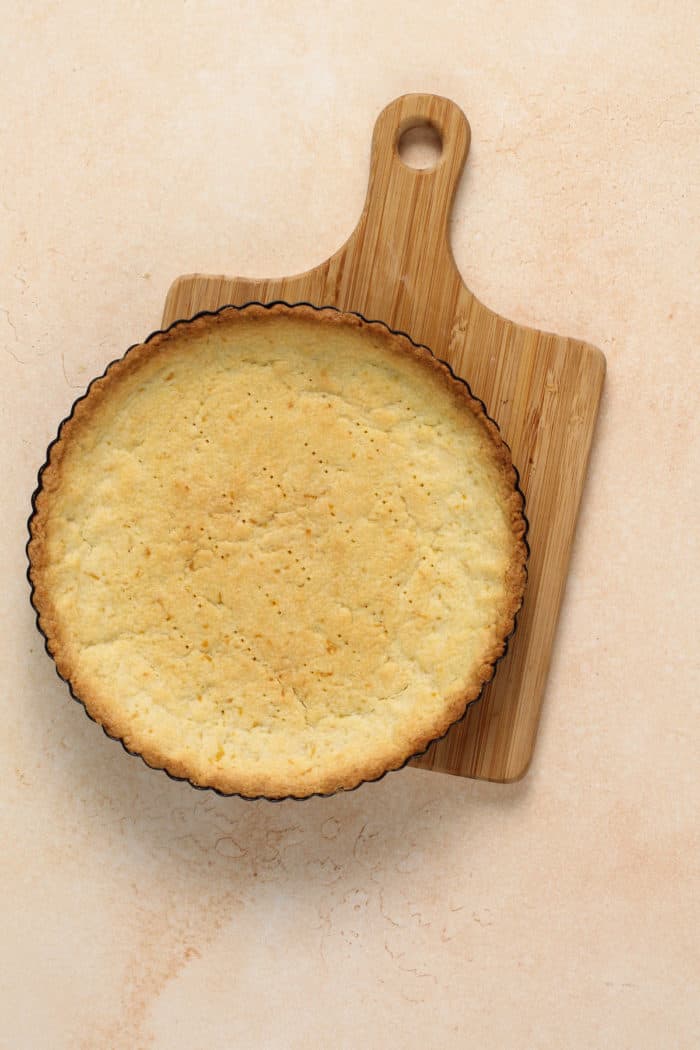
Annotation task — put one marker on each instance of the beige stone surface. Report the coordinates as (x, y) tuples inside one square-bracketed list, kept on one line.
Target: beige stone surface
[(139, 142)]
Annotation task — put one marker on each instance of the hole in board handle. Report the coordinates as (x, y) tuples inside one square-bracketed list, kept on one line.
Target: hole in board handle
[(420, 146)]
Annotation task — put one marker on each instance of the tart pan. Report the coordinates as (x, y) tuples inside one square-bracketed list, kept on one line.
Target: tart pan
[(38, 489)]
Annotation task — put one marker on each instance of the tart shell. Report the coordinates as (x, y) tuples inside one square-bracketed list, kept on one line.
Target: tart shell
[(49, 625)]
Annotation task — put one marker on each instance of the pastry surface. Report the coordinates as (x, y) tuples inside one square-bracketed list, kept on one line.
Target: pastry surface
[(277, 551)]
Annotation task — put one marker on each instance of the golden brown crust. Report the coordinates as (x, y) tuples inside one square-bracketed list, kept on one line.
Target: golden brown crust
[(117, 721)]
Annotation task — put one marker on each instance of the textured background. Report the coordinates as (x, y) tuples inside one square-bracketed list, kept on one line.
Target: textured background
[(424, 910)]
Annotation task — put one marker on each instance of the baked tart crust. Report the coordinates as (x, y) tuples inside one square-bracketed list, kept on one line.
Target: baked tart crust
[(277, 550)]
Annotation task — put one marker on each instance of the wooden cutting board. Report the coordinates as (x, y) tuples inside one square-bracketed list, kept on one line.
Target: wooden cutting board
[(542, 389)]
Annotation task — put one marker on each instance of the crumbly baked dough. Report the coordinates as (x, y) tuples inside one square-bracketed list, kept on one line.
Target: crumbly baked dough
[(277, 551)]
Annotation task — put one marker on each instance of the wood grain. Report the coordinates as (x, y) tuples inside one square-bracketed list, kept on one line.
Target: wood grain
[(542, 389)]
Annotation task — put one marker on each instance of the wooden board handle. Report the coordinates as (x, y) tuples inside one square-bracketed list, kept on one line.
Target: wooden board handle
[(397, 265), (401, 241)]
